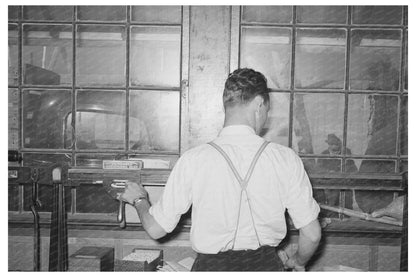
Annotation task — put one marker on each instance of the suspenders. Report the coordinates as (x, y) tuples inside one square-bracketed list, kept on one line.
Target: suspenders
[(243, 183)]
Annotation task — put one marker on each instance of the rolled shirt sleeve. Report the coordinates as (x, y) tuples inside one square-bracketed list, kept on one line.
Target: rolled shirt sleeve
[(176, 198), (299, 201)]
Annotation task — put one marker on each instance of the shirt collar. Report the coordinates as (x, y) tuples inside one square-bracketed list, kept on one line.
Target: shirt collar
[(234, 130)]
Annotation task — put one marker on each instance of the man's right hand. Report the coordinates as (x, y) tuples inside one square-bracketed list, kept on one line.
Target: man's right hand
[(132, 192)]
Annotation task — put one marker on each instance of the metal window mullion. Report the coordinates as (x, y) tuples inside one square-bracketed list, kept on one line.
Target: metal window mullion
[(292, 77), (73, 89), (20, 77), (127, 118)]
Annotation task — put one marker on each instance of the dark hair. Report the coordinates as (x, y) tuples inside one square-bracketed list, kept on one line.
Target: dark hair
[(243, 85)]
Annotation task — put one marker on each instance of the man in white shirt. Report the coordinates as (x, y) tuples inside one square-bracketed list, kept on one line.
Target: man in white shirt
[(239, 187)]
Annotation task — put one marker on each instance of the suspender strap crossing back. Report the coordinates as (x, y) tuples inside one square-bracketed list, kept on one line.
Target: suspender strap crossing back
[(243, 182)]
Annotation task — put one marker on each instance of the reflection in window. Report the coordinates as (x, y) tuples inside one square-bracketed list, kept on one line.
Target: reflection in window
[(320, 58), (94, 199), (47, 54), (44, 112), (155, 56), (372, 124), (267, 14), (404, 122), (101, 55), (46, 196), (268, 50), (317, 116), (57, 13), (321, 14), (156, 14), (374, 166), (377, 15), (101, 13), (100, 119), (375, 59), (154, 120), (39, 159), (13, 68), (276, 128)]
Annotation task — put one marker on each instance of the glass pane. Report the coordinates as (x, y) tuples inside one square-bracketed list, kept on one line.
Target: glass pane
[(56, 13), (328, 166), (154, 120), (45, 196), (268, 50), (309, 165), (404, 166), (321, 14), (320, 58), (155, 56), (375, 59), (374, 166), (102, 13), (13, 122), (13, 12), (44, 113), (39, 159), (13, 199), (13, 57), (276, 128), (318, 121), (372, 124), (94, 199), (404, 131), (101, 55), (94, 160), (47, 54), (267, 14), (377, 15), (100, 120), (406, 62), (156, 14)]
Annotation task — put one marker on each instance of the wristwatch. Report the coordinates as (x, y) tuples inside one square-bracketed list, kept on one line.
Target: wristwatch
[(138, 200)]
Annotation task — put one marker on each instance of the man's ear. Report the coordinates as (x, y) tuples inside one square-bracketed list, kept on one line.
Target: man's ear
[(258, 101)]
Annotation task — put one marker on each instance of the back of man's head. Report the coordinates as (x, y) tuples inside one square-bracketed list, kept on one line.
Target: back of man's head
[(242, 86)]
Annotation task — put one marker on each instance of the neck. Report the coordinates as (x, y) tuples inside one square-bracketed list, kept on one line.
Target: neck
[(236, 116)]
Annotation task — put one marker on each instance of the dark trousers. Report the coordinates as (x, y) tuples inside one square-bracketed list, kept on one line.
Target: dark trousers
[(262, 259)]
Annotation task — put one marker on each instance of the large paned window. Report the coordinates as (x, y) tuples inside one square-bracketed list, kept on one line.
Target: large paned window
[(89, 83)]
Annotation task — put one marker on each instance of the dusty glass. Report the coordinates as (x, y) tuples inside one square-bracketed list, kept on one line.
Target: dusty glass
[(156, 14), (321, 14), (47, 54), (44, 113), (320, 58), (94, 199), (268, 50), (101, 13), (101, 55), (318, 122), (13, 120), (386, 15), (375, 59), (13, 12), (100, 119), (404, 129), (372, 124), (154, 121), (13, 54), (267, 14), (276, 128), (155, 56), (48, 13)]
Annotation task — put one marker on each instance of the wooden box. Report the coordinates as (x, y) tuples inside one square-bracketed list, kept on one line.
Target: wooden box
[(92, 258), (139, 261)]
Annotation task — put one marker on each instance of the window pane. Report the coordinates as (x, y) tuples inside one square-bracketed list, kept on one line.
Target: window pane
[(375, 59), (155, 56), (375, 166), (320, 58), (276, 128), (13, 197), (406, 62), (13, 12), (328, 166), (94, 199), (156, 14), (100, 119), (321, 14), (94, 160), (44, 113), (13, 62), (318, 118), (45, 196), (377, 15), (267, 14), (405, 122), (404, 166), (372, 124), (101, 13), (268, 50), (309, 165), (154, 120), (13, 122), (56, 13), (47, 54), (39, 159)]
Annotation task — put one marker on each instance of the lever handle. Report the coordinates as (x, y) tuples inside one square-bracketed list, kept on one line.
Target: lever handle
[(121, 216)]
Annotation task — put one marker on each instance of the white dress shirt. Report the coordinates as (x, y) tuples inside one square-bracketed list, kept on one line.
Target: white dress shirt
[(202, 178)]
